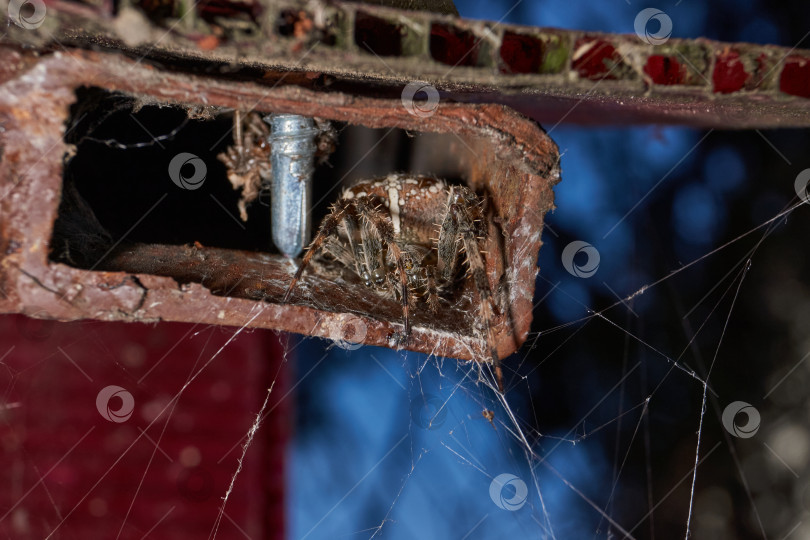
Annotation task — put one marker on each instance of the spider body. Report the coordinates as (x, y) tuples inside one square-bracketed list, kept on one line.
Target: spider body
[(406, 236), (248, 159)]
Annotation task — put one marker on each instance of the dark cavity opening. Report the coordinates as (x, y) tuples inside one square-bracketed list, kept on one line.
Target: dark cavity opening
[(118, 189), (453, 46), (521, 54), (378, 36)]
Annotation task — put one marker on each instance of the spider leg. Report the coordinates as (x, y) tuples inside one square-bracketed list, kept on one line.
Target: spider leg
[(328, 227), (467, 231), (432, 292), (377, 231), (356, 250), (446, 246), (374, 235), (396, 254), (256, 127), (237, 136), (413, 258), (339, 251)]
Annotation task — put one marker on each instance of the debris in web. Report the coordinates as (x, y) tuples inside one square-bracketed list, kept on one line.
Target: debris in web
[(251, 432)]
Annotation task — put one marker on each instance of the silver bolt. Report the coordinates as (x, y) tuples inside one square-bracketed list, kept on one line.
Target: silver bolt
[(292, 157)]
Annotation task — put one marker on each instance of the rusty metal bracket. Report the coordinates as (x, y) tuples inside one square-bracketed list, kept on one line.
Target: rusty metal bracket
[(494, 150), (549, 74)]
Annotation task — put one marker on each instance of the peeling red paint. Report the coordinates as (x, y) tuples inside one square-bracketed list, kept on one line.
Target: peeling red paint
[(377, 35), (210, 9), (520, 53), (729, 73), (795, 78), (595, 59), (453, 46), (727, 85), (665, 70)]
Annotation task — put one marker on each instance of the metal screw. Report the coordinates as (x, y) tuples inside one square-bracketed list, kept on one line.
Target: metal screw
[(292, 157)]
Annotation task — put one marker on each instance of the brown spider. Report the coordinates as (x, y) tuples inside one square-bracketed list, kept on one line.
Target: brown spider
[(381, 229), (248, 159)]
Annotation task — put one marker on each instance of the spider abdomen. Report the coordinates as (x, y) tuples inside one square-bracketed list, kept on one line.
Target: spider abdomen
[(413, 202)]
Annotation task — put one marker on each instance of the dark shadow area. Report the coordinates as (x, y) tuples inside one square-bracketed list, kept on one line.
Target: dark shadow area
[(118, 188)]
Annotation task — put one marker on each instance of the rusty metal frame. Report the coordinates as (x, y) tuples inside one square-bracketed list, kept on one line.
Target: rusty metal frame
[(510, 158), (697, 82)]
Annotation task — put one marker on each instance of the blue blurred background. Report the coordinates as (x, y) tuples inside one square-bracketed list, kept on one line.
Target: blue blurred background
[(396, 446)]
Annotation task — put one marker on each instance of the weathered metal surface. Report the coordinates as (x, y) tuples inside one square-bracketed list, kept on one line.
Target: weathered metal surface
[(494, 149), (549, 74)]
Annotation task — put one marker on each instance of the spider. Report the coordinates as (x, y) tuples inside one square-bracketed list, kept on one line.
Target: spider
[(248, 159), (381, 229)]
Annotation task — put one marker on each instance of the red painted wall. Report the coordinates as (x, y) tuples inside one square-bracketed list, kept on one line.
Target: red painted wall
[(75, 463)]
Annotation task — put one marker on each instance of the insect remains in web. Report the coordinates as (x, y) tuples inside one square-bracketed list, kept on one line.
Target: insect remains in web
[(413, 239), (489, 415), (247, 160)]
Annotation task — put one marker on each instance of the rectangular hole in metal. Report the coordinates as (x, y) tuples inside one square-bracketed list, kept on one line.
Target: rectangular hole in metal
[(118, 191)]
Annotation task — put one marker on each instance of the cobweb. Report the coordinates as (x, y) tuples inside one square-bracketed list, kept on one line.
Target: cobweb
[(660, 394), (633, 410), (623, 413)]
